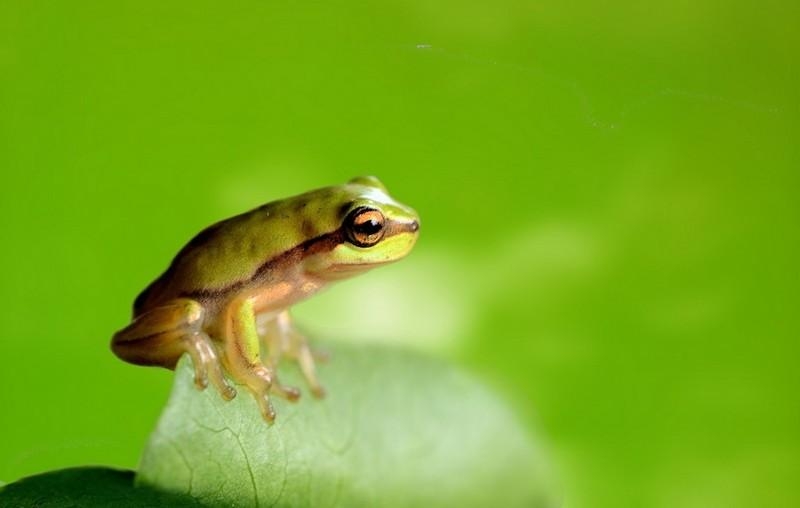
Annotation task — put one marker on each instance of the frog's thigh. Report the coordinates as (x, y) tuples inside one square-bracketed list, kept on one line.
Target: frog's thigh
[(153, 338), (161, 335), (242, 353)]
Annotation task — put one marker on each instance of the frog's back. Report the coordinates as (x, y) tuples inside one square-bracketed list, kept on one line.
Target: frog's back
[(185, 272), (229, 253)]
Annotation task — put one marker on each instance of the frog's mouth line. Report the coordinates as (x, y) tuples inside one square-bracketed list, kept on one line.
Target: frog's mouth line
[(357, 267), (341, 271)]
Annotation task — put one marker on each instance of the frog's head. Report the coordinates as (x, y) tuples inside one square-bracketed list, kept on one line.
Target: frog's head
[(372, 229)]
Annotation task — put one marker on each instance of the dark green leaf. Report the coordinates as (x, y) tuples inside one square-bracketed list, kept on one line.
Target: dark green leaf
[(86, 487)]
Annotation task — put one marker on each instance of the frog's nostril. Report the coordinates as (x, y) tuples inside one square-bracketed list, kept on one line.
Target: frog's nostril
[(414, 226)]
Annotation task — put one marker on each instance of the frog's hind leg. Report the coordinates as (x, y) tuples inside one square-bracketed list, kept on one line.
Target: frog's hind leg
[(242, 355), (161, 335)]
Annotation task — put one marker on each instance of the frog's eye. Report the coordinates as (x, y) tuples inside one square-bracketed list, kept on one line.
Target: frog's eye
[(364, 227)]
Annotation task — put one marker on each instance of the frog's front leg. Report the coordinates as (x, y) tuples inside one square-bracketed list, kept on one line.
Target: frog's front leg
[(282, 339), (242, 355), (161, 335)]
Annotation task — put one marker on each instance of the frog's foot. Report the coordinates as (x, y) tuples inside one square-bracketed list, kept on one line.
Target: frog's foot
[(297, 348), (206, 364), (304, 355), (283, 340), (260, 380)]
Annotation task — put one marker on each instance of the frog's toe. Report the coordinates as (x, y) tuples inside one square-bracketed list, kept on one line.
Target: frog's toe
[(206, 365), (320, 356), (289, 393), (199, 362), (227, 391), (265, 406), (200, 379)]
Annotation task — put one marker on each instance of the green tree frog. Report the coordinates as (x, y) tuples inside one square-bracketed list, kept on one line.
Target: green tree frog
[(224, 299)]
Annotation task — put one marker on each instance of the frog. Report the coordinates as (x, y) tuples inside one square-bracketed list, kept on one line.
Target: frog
[(225, 298)]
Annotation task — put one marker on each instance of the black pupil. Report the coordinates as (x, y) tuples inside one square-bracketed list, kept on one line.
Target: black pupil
[(368, 227)]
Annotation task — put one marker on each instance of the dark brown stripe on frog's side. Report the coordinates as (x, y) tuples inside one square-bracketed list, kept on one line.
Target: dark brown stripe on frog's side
[(325, 242), (322, 243)]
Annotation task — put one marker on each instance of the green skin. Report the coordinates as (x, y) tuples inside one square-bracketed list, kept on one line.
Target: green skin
[(225, 297)]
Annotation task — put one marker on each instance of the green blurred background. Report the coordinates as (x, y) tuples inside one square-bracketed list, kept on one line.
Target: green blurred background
[(608, 197)]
